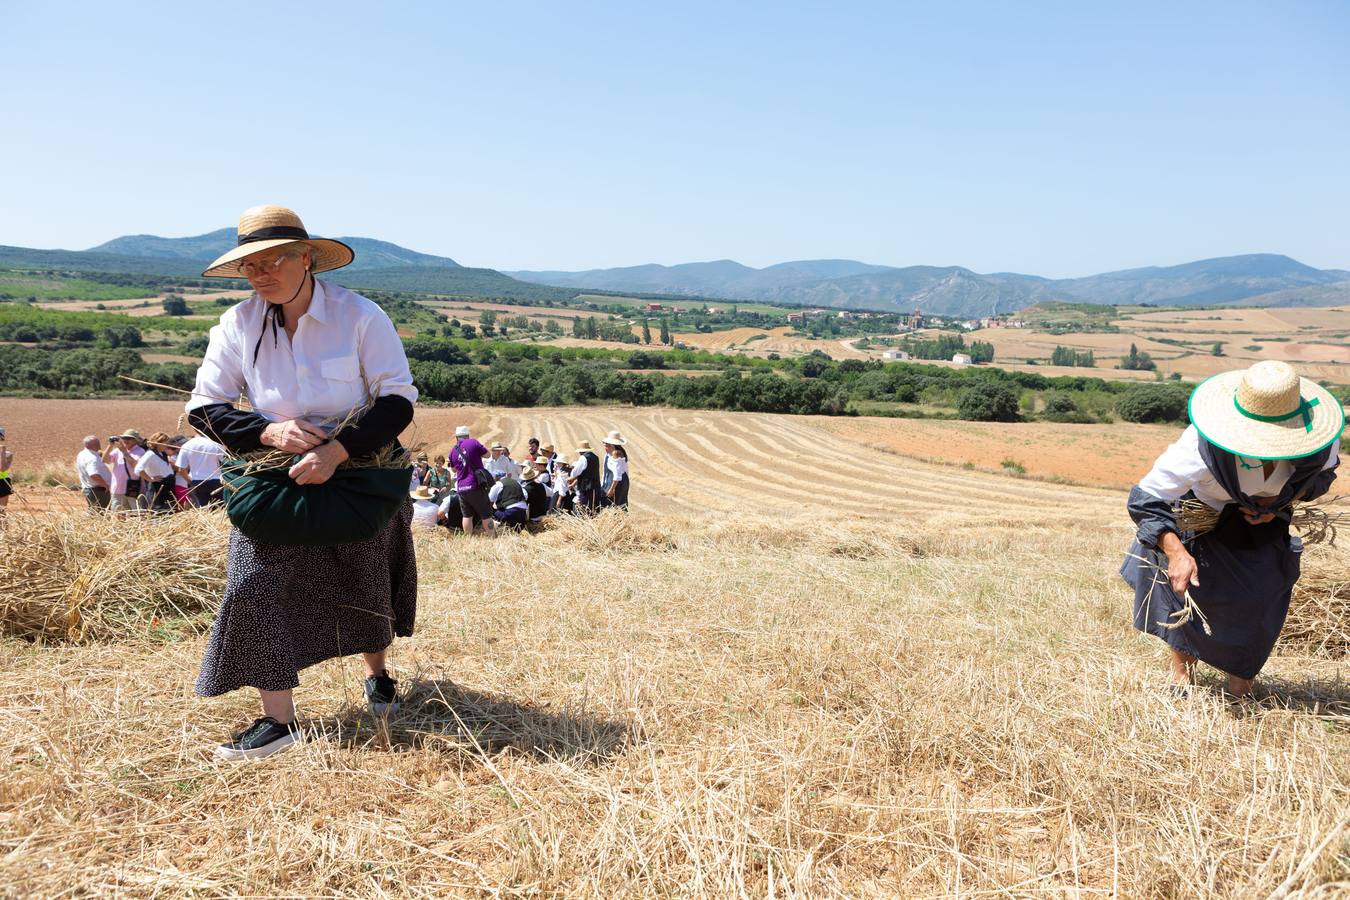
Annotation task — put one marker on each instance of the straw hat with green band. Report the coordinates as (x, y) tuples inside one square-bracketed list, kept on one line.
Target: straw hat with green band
[(264, 227), (1266, 412)]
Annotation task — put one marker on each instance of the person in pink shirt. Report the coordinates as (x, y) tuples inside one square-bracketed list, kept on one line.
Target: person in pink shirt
[(124, 452)]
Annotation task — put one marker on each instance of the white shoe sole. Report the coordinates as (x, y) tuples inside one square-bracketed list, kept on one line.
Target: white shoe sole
[(233, 755)]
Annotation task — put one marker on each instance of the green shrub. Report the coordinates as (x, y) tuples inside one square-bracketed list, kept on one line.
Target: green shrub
[(988, 402), (1153, 403)]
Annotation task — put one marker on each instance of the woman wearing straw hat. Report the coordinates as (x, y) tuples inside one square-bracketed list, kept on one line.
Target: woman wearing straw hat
[(425, 513), (303, 352), (124, 452), (1261, 439), (615, 485)]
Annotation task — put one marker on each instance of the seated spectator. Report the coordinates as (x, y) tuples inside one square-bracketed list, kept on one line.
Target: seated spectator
[(420, 471), (510, 507), (536, 495), (501, 462), (94, 475), (451, 513), (425, 514), (440, 479)]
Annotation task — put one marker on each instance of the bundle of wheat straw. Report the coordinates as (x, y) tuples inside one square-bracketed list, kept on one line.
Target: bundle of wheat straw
[(1312, 521), (80, 577)]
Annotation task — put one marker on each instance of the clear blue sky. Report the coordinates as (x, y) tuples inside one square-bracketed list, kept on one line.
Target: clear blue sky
[(1051, 138)]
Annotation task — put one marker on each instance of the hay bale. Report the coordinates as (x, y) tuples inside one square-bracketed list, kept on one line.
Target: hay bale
[(76, 577)]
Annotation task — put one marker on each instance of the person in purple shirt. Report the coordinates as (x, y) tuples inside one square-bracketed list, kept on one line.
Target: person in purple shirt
[(467, 460)]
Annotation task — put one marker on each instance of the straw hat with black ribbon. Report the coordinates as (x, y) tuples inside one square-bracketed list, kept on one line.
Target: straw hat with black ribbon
[(528, 475), (615, 439), (584, 447), (264, 227), (1266, 412)]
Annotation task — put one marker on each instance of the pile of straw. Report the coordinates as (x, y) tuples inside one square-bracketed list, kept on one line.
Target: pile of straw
[(79, 577), (1319, 616)]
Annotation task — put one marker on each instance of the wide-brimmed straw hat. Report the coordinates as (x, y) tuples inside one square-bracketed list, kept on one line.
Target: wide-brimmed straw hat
[(422, 493), (462, 431), (132, 433), (614, 439), (1266, 412), (584, 446), (496, 445), (529, 475), (264, 227), (546, 448)]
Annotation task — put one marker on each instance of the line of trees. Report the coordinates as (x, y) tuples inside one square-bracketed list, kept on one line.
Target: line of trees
[(1067, 356)]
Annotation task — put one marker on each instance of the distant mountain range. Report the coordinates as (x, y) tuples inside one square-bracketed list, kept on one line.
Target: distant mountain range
[(1252, 280), (1257, 279)]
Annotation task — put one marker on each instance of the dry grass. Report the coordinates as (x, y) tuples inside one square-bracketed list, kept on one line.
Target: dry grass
[(81, 577), (662, 705)]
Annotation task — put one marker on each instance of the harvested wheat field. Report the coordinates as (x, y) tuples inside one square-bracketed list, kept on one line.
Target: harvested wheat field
[(769, 679)]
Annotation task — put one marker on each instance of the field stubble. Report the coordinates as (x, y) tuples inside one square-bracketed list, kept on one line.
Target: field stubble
[(776, 678)]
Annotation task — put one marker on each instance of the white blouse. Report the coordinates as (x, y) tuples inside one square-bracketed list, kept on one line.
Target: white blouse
[(1180, 469), (344, 348), (618, 466)]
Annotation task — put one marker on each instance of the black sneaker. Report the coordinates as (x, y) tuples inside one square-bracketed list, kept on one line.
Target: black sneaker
[(260, 740), (382, 694)]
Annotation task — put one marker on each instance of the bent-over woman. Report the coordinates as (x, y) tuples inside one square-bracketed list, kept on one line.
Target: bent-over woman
[(302, 352), (1260, 440)]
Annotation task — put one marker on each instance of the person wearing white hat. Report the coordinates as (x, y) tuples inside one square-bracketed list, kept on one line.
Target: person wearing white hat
[(614, 487), (1261, 440), (585, 479), (306, 354)]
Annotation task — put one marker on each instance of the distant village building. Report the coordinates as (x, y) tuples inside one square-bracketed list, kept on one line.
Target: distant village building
[(653, 307), (795, 318), (893, 355), (915, 321), (962, 359), (845, 314)]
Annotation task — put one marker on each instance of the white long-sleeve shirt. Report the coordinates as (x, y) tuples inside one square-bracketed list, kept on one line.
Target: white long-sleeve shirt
[(496, 491), (617, 466), (502, 465), (345, 348), (1181, 469)]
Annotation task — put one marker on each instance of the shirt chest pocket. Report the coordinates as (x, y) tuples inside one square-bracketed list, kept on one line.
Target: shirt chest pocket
[(343, 368)]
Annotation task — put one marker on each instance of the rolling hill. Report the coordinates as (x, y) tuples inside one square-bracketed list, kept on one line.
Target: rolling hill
[(954, 290), (1253, 279)]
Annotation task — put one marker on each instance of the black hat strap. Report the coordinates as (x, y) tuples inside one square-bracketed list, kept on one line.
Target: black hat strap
[(274, 232)]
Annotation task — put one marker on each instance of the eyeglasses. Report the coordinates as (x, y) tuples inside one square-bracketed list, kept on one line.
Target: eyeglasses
[(253, 268)]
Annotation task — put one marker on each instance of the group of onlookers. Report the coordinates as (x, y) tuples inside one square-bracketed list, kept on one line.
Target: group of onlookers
[(159, 474), (476, 485)]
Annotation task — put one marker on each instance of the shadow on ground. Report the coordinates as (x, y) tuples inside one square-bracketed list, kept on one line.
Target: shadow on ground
[(439, 715)]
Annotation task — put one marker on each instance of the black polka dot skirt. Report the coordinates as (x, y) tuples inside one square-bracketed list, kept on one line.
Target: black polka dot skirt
[(286, 608)]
